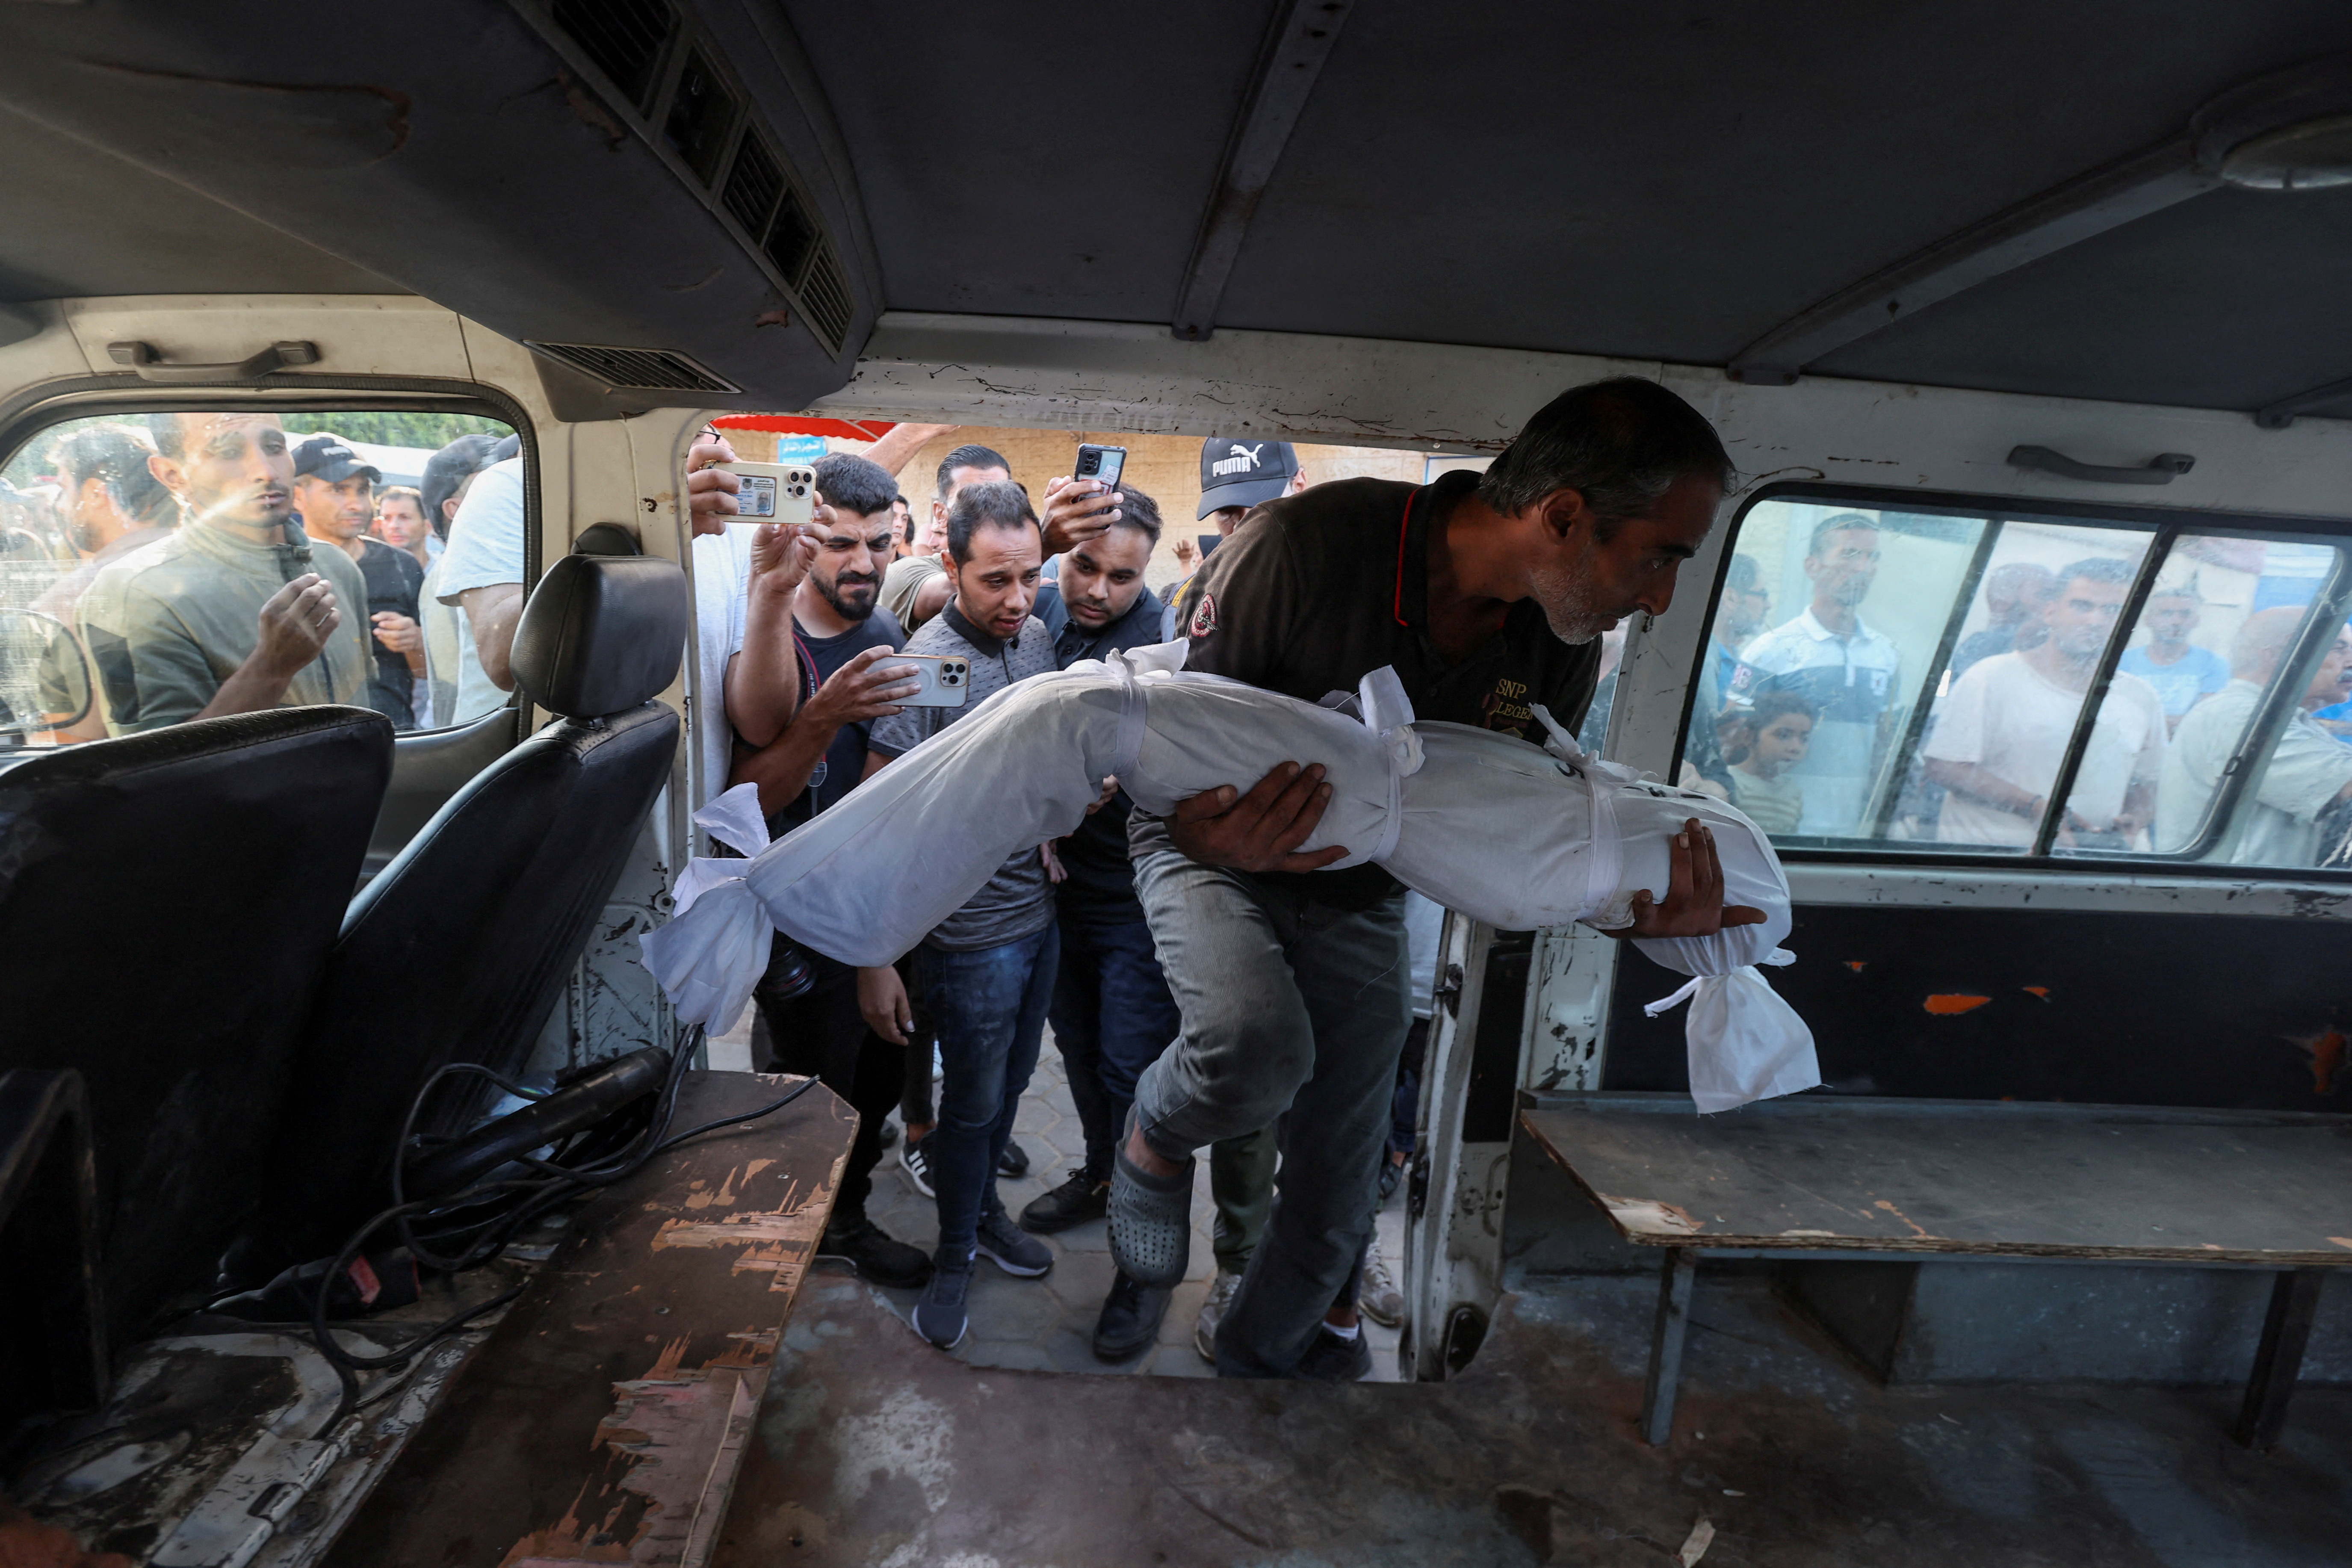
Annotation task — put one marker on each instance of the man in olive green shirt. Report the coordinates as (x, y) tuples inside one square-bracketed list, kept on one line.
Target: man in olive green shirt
[(234, 613)]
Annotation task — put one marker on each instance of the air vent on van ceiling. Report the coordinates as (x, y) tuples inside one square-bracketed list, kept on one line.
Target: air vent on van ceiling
[(676, 89), (653, 369)]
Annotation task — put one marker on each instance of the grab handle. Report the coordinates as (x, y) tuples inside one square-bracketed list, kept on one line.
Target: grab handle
[(150, 365), (2160, 469)]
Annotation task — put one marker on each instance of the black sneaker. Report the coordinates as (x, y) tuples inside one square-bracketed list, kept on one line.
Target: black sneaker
[(940, 1316), (1003, 1244), (1013, 1163), (1081, 1198), (916, 1166), (1129, 1320), (1332, 1359), (872, 1253)]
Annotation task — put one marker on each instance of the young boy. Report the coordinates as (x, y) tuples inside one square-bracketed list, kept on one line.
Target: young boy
[(1782, 724)]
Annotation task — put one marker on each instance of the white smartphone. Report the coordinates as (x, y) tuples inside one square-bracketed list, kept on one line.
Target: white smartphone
[(773, 492), (946, 677)]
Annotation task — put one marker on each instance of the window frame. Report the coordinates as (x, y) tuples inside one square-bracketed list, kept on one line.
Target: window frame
[(48, 404), (2169, 524)]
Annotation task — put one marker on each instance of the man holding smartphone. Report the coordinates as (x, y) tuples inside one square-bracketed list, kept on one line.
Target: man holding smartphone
[(1485, 594), (810, 1006), (986, 973)]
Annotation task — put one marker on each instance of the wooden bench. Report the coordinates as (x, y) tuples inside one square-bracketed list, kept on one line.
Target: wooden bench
[(1913, 1179)]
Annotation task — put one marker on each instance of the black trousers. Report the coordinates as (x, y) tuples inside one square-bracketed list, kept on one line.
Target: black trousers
[(821, 1033)]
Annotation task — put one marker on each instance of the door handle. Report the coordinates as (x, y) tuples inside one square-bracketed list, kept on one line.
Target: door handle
[(2160, 469), (142, 359)]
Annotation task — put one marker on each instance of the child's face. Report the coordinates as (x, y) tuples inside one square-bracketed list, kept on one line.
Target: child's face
[(1781, 744), (1735, 735)]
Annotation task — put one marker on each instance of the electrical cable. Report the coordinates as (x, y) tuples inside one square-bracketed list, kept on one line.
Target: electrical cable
[(514, 1202)]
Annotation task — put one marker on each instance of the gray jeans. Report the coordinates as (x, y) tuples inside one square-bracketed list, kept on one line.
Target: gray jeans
[(1289, 1007)]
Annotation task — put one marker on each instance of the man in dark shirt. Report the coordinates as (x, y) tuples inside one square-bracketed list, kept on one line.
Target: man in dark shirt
[(1485, 594), (335, 493), (811, 1006), (1112, 1014)]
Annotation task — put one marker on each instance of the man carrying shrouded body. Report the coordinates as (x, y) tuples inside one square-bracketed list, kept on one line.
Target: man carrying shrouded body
[(1485, 594)]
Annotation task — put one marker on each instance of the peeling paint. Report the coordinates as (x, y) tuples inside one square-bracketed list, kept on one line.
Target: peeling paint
[(1651, 1215), (1945, 1005)]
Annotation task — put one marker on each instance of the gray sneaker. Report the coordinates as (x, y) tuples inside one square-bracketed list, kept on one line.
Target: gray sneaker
[(1377, 1293), (1013, 1249), (1205, 1330)]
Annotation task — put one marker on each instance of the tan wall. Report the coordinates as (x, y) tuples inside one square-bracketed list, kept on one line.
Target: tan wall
[(1165, 467)]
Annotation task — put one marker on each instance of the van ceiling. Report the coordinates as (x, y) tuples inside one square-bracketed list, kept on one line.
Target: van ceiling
[(1670, 181)]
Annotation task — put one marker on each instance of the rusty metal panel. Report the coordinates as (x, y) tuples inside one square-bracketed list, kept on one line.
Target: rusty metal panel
[(604, 1420)]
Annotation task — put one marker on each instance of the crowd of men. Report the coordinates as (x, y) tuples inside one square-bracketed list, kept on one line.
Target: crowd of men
[(1800, 721), (804, 633), (1209, 985), (227, 567)]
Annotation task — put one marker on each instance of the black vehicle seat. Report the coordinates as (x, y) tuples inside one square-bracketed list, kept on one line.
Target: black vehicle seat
[(167, 903), (459, 949)]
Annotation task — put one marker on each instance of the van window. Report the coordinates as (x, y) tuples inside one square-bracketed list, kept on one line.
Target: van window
[(169, 564), (1878, 678)]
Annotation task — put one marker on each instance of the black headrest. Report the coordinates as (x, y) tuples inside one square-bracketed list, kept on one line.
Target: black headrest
[(602, 633)]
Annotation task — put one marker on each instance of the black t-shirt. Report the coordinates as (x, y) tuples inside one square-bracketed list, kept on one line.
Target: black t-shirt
[(393, 580), (1100, 886), (844, 760), (1315, 591)]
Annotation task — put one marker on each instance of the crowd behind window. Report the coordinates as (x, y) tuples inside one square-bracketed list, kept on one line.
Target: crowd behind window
[(157, 567), (1876, 677)]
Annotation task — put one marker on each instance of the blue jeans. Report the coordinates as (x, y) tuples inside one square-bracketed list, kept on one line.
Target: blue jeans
[(988, 1008), (1289, 1007), (1112, 1017)]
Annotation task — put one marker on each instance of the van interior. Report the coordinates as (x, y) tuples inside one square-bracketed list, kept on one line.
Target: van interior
[(362, 1199)]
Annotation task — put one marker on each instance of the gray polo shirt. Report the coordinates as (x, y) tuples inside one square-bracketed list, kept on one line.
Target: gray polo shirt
[(1018, 900)]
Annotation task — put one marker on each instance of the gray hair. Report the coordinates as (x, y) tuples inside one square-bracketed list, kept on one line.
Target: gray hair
[(1620, 444)]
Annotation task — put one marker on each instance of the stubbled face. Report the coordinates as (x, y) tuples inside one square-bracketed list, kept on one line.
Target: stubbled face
[(2081, 615), (1781, 744), (1846, 567), (1102, 578), (2171, 619), (233, 470), (995, 588), (1587, 584), (1742, 613), (403, 525), (341, 511), (850, 560), (2326, 688)]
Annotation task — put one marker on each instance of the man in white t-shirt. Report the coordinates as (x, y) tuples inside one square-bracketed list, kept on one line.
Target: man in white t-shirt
[(481, 572), (1848, 670), (2001, 734), (2308, 769)]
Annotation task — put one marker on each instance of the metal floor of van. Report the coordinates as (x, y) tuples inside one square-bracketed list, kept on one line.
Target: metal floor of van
[(875, 1449)]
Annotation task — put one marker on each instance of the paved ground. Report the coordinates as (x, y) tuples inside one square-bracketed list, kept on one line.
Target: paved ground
[(1048, 1324)]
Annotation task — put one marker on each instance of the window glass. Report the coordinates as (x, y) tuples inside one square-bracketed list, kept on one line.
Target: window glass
[(1877, 678), (1827, 636), (157, 567), (2243, 641)]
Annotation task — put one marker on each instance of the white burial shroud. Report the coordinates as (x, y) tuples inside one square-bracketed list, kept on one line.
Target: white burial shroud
[(1485, 824)]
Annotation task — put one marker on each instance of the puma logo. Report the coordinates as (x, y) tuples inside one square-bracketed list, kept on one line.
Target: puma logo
[(1240, 461)]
